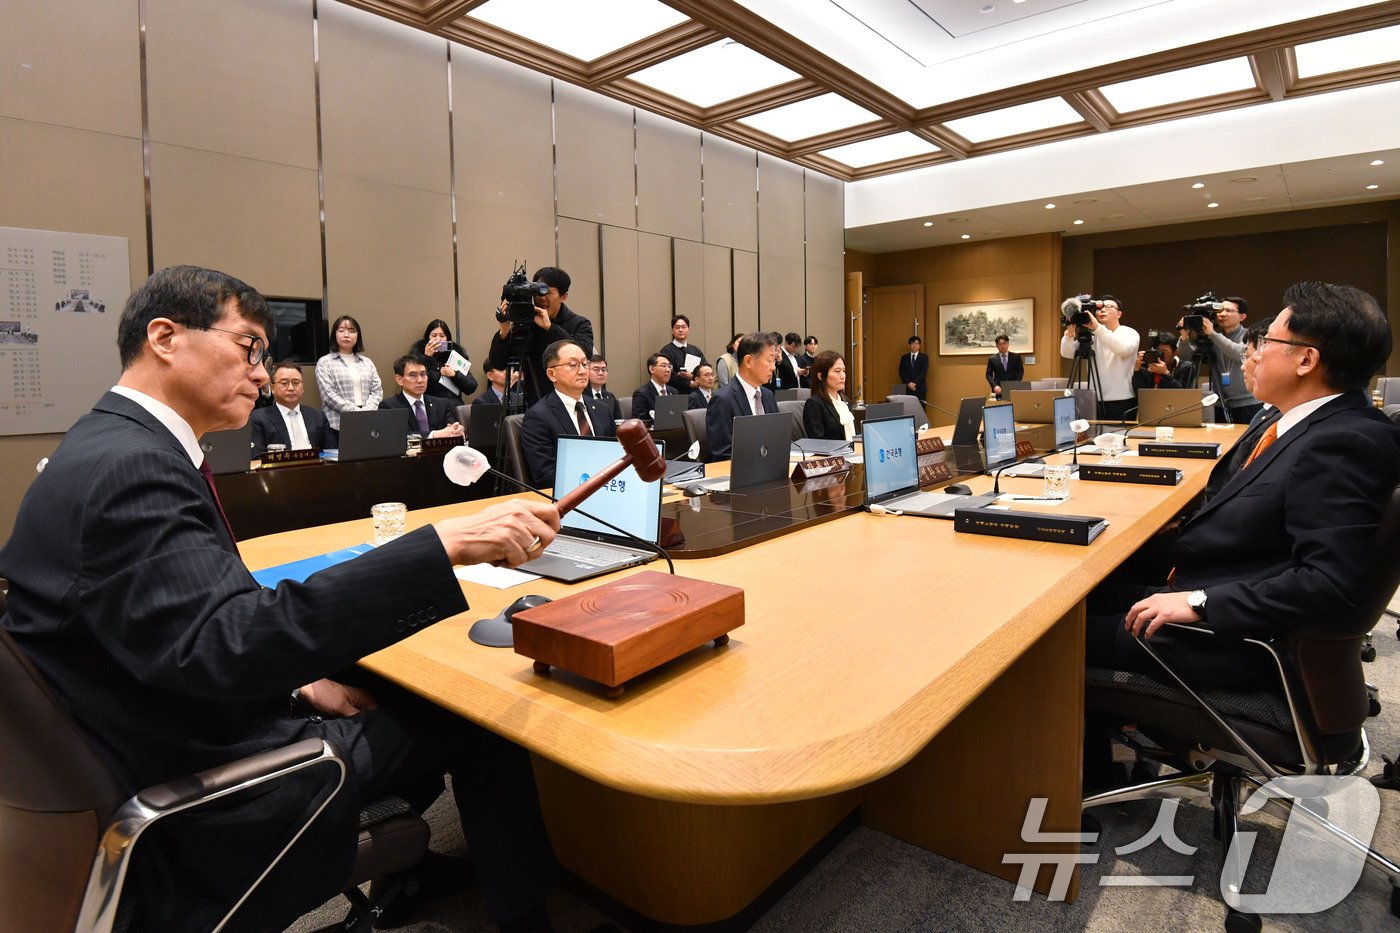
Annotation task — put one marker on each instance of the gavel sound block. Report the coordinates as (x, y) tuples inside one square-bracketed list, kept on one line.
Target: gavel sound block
[(617, 631)]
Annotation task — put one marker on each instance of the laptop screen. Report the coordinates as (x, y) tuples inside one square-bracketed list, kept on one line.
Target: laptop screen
[(626, 501), (891, 464), (1064, 414), (999, 431)]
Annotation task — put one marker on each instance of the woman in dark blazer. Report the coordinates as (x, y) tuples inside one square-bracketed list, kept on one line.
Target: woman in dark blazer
[(826, 414), (434, 350)]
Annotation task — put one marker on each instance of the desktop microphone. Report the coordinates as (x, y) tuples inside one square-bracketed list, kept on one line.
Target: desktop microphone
[(941, 410), (1078, 426), (996, 478), (1206, 402)]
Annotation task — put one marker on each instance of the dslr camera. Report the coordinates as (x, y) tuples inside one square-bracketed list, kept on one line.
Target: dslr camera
[(1078, 310), (520, 293), (1201, 309)]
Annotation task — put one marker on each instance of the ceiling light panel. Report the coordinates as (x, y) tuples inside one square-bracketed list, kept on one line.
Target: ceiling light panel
[(579, 29), (715, 73), (883, 149), (1013, 121), (1344, 53), (810, 117), (1174, 87)]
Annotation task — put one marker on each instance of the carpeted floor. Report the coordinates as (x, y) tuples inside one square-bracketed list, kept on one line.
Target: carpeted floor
[(871, 881)]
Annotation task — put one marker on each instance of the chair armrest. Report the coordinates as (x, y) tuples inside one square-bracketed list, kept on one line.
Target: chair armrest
[(207, 785)]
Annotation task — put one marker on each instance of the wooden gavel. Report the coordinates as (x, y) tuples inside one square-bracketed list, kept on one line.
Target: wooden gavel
[(639, 450)]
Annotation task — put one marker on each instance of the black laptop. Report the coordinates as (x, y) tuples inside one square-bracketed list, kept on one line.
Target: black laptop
[(759, 453), (668, 412), (229, 451), (882, 411), (484, 426), (969, 422), (372, 435)]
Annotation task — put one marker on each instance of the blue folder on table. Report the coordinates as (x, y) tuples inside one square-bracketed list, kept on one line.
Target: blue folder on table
[(299, 570)]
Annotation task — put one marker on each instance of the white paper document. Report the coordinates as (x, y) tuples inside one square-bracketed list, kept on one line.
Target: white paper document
[(458, 362), (499, 578)]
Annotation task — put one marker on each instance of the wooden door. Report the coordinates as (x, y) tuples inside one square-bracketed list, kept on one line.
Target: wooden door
[(855, 331), (893, 313)]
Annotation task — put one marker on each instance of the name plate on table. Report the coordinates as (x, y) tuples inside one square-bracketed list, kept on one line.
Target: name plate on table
[(819, 466), (1155, 476), (828, 481), (281, 457), (934, 473), (1032, 526), (1024, 449), (441, 445), (1198, 451), (928, 445)]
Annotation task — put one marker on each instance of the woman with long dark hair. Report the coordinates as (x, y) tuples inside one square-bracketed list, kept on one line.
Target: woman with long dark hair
[(435, 351), (825, 414)]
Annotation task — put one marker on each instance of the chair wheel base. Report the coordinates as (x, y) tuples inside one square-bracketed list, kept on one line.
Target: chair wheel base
[(1237, 921), (1368, 653)]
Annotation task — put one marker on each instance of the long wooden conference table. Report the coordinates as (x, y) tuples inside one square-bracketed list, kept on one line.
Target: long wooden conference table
[(931, 680)]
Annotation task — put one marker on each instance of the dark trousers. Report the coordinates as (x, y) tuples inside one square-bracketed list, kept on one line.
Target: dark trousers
[(1118, 409)]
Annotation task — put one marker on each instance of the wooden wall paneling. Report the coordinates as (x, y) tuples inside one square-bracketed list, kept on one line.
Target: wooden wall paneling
[(713, 327), (781, 228), (594, 153), (74, 64), (503, 136), (657, 293), (238, 79), (383, 100), (579, 256), (668, 177), (256, 220), (731, 181), (745, 296), (622, 303)]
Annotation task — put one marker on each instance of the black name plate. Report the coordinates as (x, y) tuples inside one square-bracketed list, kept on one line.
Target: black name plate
[(1156, 476), (1196, 451), (1032, 526)]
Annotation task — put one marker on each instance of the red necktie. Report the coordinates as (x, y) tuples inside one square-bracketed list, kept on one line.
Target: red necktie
[(584, 428), (208, 475)]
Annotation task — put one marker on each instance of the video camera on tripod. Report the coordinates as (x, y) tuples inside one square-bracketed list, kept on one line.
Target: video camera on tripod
[(1195, 313), (519, 294), (1078, 310)]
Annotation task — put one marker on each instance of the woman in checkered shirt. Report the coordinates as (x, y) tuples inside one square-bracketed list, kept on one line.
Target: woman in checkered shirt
[(346, 377)]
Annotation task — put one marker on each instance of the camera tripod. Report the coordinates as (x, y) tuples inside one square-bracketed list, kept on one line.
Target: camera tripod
[(1085, 371), (1207, 359)]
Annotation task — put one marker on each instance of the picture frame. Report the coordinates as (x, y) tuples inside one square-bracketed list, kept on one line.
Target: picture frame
[(970, 328)]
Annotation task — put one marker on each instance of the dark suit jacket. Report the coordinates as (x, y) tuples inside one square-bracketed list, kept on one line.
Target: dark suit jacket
[(130, 599), (1227, 466), (644, 401), (677, 357), (566, 326), (1015, 370), (784, 376), (488, 397), (698, 400), (545, 422), (465, 383), (819, 419), (1287, 541), (915, 371), (609, 400), (440, 412), (728, 403), (269, 427)]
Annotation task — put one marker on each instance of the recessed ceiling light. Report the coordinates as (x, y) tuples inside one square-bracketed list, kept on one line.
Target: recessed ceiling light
[(1078, 223), (928, 223), (1198, 185), (989, 8), (967, 236), (1243, 179), (1372, 187), (1087, 201), (1378, 161), (1050, 206), (1213, 204), (957, 220)]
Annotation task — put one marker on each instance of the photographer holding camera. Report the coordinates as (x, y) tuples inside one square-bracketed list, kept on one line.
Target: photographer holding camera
[(1095, 331), (1218, 326), (532, 316), (1155, 364)]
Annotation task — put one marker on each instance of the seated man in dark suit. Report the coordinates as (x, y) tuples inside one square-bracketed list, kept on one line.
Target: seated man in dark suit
[(645, 396), (288, 422), (496, 394), (1004, 366), (128, 594), (562, 412), (598, 385), (746, 394), (1286, 542), (913, 369), (704, 387), (428, 415)]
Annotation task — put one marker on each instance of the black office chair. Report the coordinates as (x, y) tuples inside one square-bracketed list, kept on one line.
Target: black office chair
[(624, 405), (67, 835), (695, 431), (1228, 745), (912, 407), (794, 408), (514, 450)]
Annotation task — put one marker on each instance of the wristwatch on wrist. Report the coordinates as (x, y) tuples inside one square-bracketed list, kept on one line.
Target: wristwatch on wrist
[(1196, 599)]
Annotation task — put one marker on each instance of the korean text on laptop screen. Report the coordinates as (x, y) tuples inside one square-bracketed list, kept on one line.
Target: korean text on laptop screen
[(626, 501), (1064, 414), (891, 462), (999, 429)]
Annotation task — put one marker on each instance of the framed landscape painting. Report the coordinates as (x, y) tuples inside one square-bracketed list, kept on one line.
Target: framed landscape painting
[(971, 328)]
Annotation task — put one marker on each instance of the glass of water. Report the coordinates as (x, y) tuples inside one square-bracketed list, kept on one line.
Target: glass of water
[(388, 521), (1165, 432), (1057, 480), (414, 445), (1112, 447)]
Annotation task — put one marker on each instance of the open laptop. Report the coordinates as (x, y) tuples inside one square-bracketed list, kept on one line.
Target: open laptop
[(668, 412), (586, 548), (759, 453), (1169, 405), (1015, 385), (371, 435), (229, 451), (999, 433), (1036, 406), (892, 473), (969, 421), (1064, 414)]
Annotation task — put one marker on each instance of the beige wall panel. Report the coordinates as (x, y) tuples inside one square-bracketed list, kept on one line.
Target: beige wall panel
[(688, 267), (236, 78), (55, 178), (826, 299), (657, 292), (19, 454), (622, 308), (780, 208), (731, 216), (491, 238), (594, 152), (745, 293), (502, 119), (668, 177), (73, 63), (578, 256), (712, 329), (826, 219), (388, 263), (781, 299), (255, 220), (383, 100)]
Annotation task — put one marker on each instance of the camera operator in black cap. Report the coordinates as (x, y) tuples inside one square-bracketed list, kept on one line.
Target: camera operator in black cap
[(1225, 335), (525, 342)]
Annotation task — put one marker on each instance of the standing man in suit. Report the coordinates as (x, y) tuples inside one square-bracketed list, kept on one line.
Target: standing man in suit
[(792, 353), (784, 370), (677, 351), (288, 422), (598, 385), (1004, 366), (704, 387), (562, 412), (428, 415), (128, 595), (913, 369), (496, 393), (657, 385), (808, 355), (746, 394)]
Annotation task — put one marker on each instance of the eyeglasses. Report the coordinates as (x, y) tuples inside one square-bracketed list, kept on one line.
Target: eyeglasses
[(572, 366), (257, 350), (288, 383), (1262, 342), (416, 374)]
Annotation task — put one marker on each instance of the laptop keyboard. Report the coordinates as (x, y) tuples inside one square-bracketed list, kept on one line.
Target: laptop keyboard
[(921, 500), (584, 552)]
